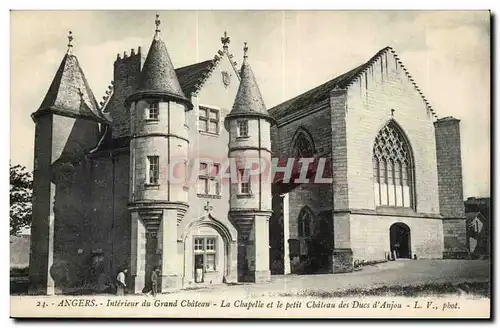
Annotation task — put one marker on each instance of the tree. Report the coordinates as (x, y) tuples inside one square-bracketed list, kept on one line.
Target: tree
[(21, 190)]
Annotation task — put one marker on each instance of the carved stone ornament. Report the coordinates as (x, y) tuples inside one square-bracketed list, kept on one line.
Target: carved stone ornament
[(226, 78)]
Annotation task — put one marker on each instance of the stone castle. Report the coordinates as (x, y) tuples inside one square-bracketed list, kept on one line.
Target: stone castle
[(102, 201)]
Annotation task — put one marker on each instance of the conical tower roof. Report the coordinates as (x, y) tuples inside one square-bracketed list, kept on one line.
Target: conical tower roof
[(158, 77), (248, 101), (69, 93)]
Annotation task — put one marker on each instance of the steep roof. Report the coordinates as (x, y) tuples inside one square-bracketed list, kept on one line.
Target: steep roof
[(248, 99), (69, 92), (322, 92), (158, 76), (191, 76)]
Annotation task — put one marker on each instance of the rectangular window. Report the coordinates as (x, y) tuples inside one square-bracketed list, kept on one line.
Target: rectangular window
[(209, 120), (203, 125), (198, 244), (243, 128), (154, 111), (244, 182), (206, 253), (210, 244), (154, 170), (202, 186), (208, 179)]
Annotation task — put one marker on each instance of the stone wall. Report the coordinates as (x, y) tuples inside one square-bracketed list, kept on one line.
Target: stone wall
[(384, 92), (60, 229), (125, 79), (370, 238), (455, 238), (449, 166), (317, 197)]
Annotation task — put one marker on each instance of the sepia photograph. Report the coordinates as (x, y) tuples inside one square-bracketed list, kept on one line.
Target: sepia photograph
[(250, 164)]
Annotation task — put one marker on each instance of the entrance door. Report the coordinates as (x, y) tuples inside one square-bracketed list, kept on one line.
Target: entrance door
[(400, 240), (198, 268)]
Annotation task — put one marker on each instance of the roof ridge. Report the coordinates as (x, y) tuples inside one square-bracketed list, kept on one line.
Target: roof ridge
[(369, 63), (105, 101), (342, 81), (56, 83), (379, 53), (214, 62), (414, 83)]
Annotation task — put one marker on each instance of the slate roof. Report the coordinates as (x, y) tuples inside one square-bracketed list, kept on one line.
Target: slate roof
[(158, 76), (248, 99), (322, 92), (70, 93), (190, 76)]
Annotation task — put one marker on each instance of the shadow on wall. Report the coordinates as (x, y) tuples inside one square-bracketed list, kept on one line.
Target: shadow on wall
[(319, 248), (72, 267)]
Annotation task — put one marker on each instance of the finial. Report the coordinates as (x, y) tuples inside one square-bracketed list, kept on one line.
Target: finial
[(208, 207), (392, 112), (157, 23), (225, 40), (245, 50), (70, 39)]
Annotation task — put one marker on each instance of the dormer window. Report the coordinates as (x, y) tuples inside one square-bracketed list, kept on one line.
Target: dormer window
[(243, 129), (154, 111)]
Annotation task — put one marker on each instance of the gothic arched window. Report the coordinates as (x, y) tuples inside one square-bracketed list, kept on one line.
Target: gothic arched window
[(392, 168), (303, 145), (305, 222)]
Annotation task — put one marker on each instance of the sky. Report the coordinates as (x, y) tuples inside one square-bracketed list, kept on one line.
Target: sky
[(447, 53)]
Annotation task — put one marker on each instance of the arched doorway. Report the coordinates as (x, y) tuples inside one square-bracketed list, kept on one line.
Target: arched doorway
[(208, 251), (400, 240)]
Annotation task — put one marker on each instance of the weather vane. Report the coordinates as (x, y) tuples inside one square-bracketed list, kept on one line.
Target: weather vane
[(70, 39), (245, 50), (157, 23)]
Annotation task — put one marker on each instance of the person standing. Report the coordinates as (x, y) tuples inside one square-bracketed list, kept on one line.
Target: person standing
[(154, 282), (120, 282)]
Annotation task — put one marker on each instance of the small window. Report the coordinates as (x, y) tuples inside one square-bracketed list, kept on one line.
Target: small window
[(209, 120), (208, 181), (243, 128), (244, 185), (154, 170), (304, 224), (198, 244), (154, 111), (211, 244)]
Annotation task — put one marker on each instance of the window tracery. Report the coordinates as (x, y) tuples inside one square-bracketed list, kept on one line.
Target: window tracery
[(392, 168)]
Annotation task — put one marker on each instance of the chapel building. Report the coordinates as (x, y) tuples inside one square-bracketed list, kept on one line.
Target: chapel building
[(103, 200)]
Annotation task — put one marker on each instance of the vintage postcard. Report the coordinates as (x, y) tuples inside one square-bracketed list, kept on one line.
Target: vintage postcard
[(250, 164)]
